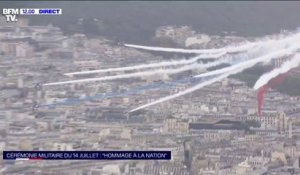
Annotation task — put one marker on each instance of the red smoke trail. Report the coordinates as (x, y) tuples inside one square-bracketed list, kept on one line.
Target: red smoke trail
[(271, 84), (260, 96)]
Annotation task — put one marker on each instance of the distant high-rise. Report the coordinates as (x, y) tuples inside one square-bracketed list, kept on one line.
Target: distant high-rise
[(290, 129), (20, 82), (188, 154)]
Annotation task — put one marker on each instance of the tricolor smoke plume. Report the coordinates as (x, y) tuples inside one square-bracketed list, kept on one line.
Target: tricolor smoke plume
[(285, 67), (152, 65), (273, 78), (262, 51), (229, 71)]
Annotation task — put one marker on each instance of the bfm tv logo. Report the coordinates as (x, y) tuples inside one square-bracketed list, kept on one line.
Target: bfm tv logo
[(10, 14)]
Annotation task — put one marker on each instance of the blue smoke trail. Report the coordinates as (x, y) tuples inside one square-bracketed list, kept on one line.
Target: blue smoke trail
[(137, 90)]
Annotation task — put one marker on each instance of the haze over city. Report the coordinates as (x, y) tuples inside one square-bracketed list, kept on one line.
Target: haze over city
[(215, 83)]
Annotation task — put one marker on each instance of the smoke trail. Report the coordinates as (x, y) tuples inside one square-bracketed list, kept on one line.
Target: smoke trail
[(275, 45), (262, 90), (267, 59), (260, 97), (136, 74), (223, 70), (273, 78), (152, 65), (230, 68), (272, 45), (141, 74), (229, 71), (288, 65), (72, 101), (231, 49), (189, 90)]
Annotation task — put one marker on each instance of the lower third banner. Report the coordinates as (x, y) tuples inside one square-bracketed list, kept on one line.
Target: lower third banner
[(86, 155)]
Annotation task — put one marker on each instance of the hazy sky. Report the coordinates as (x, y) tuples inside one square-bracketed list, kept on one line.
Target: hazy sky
[(247, 18)]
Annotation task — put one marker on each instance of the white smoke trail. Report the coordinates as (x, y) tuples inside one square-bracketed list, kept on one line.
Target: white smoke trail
[(130, 75), (230, 71), (229, 49), (288, 65), (266, 44), (189, 90), (141, 74), (152, 65), (232, 49), (274, 47), (222, 70)]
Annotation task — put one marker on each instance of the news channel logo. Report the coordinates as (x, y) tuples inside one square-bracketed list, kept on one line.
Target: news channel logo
[(11, 14)]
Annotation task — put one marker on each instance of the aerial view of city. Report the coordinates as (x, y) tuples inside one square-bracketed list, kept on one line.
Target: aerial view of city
[(215, 83)]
